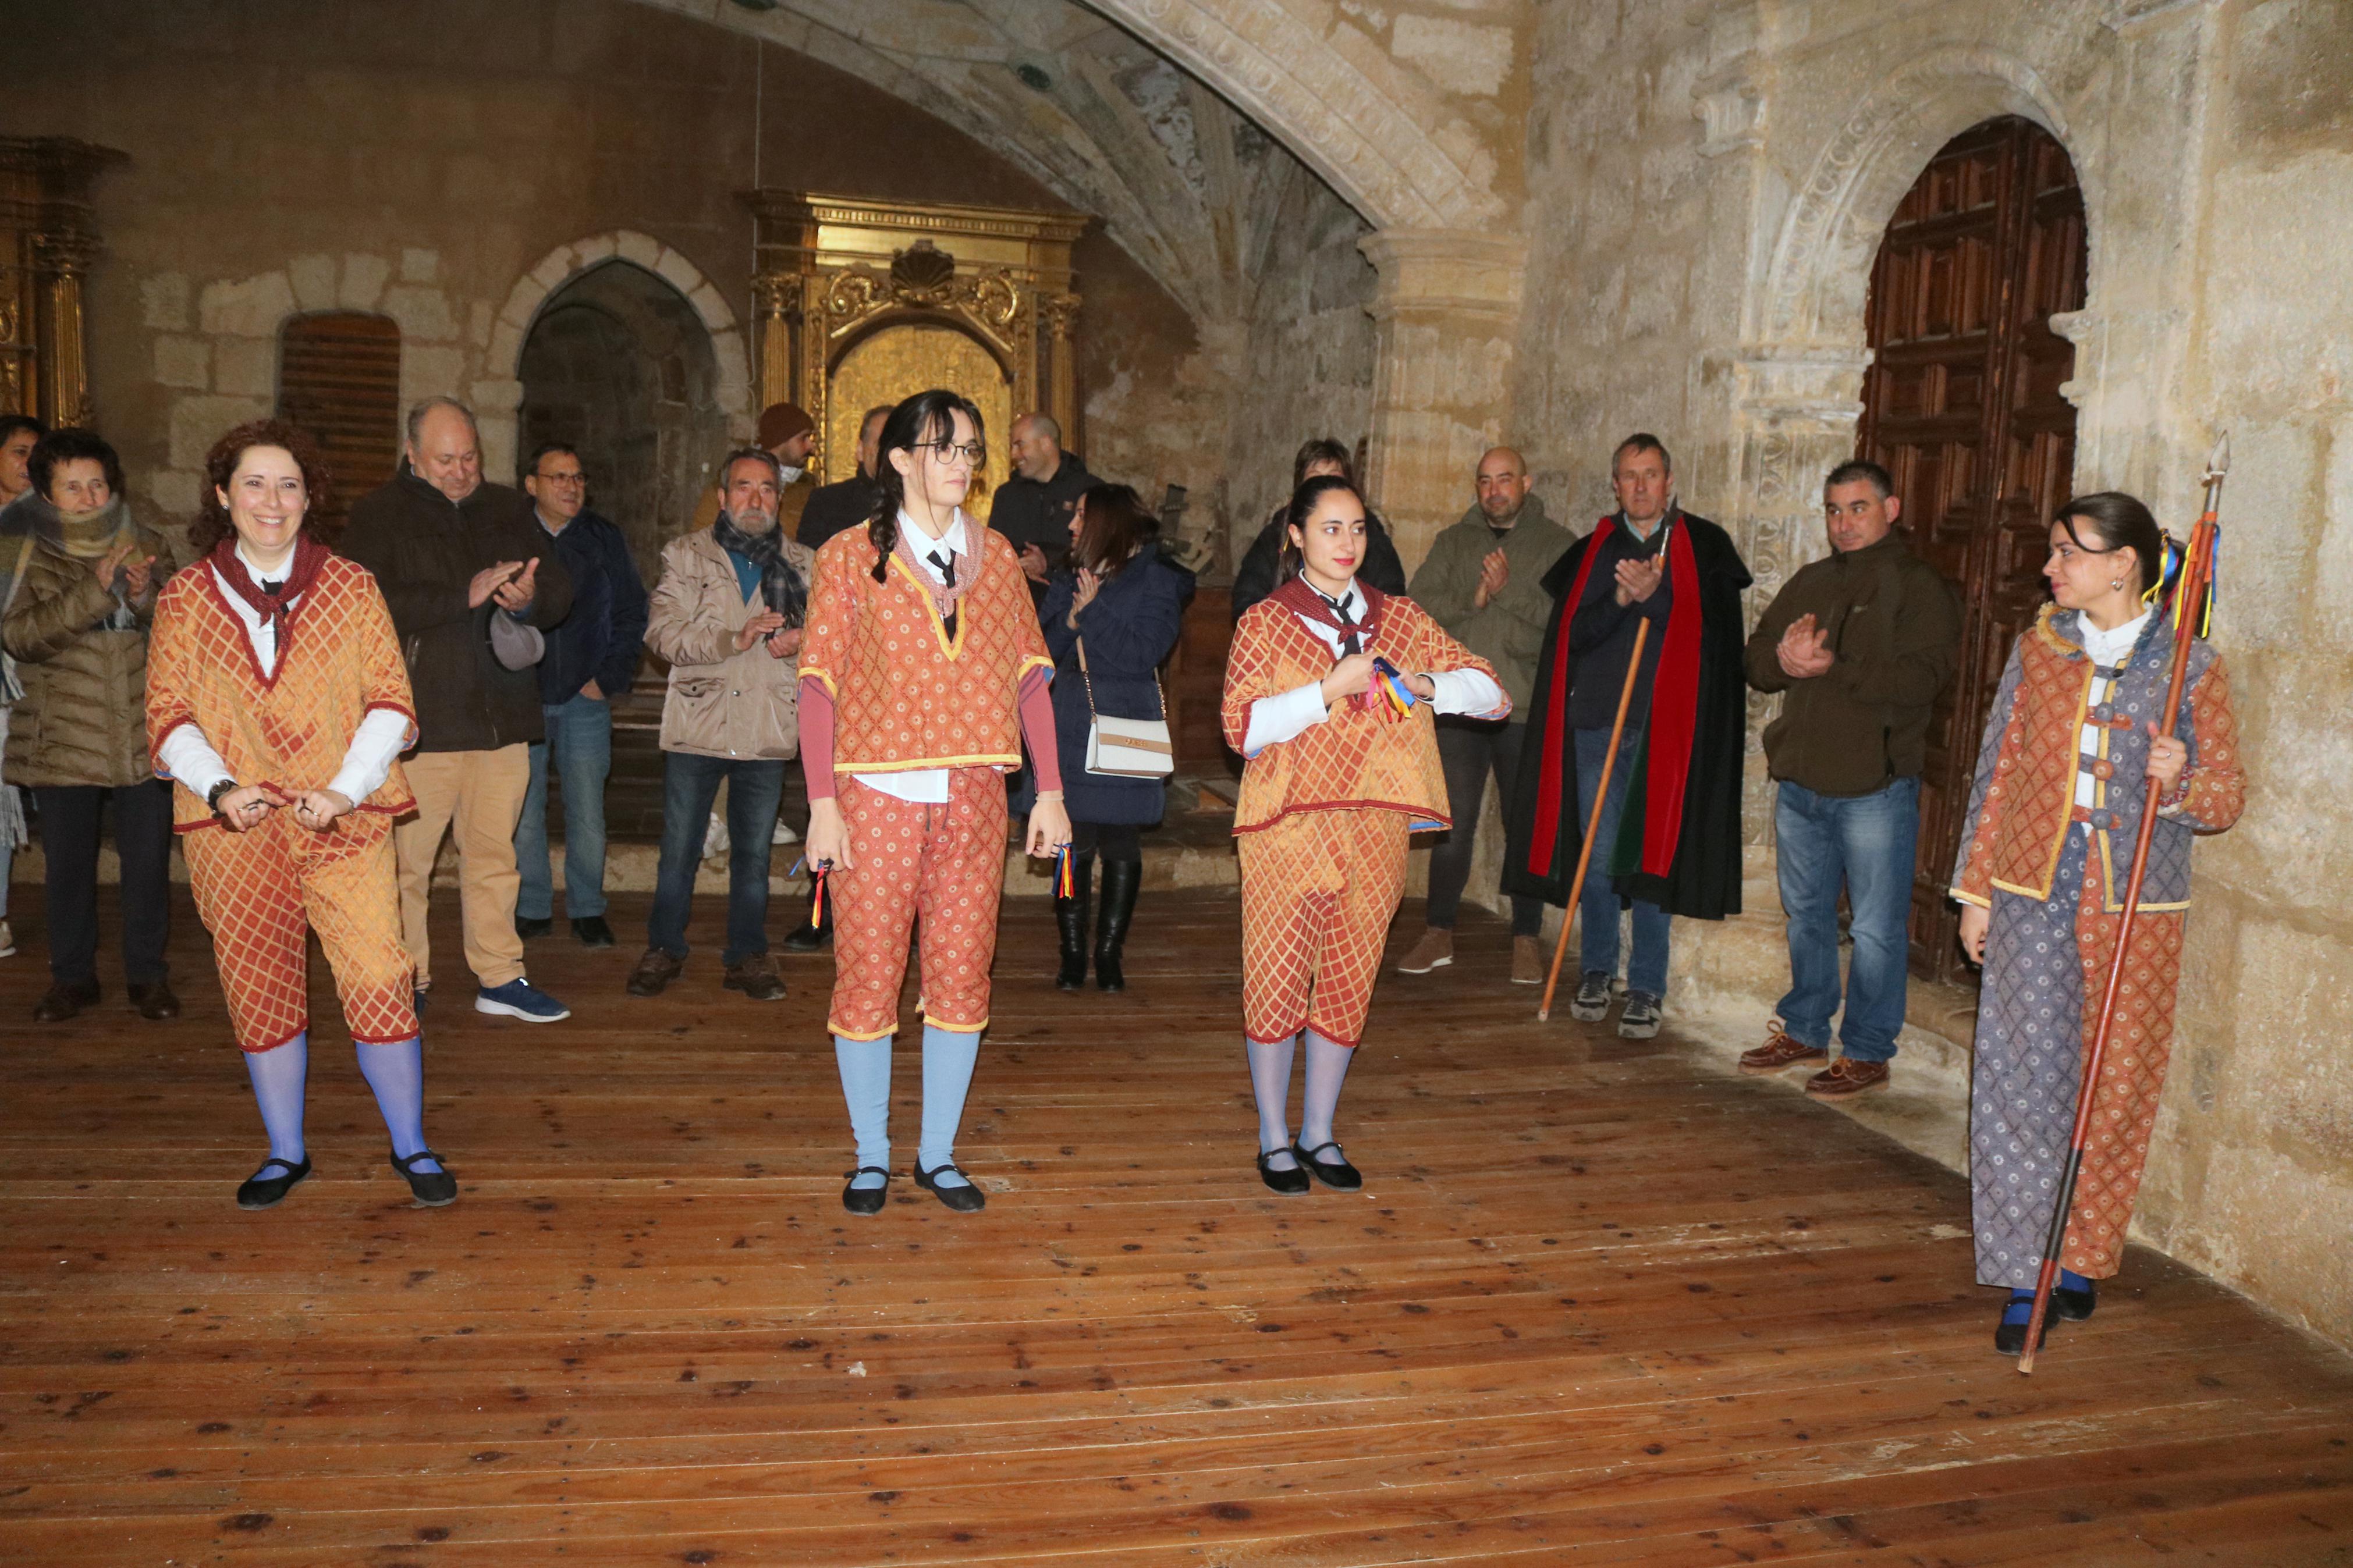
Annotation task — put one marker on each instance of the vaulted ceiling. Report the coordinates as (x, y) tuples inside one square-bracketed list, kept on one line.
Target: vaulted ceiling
[(1183, 181)]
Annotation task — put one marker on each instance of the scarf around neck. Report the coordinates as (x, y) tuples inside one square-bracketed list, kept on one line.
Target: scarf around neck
[(302, 571), (780, 585), (1300, 597)]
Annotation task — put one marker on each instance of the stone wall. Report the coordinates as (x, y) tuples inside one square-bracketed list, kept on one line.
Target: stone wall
[(1707, 188), (371, 175)]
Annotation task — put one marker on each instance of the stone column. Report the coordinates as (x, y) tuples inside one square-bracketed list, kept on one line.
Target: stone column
[(1447, 312), (498, 406)]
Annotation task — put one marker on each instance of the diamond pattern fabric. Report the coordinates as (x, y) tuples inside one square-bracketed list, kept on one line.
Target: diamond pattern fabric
[(1319, 889), (943, 865)]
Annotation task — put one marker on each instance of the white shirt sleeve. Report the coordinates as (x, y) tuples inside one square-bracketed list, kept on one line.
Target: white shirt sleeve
[(1468, 691), (1284, 717), (188, 757), (368, 760)]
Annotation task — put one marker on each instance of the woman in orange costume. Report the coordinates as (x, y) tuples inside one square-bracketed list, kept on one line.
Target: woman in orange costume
[(924, 672), (1343, 764), (278, 705)]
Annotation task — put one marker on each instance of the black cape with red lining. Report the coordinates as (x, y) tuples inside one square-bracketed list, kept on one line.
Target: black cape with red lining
[(1700, 874)]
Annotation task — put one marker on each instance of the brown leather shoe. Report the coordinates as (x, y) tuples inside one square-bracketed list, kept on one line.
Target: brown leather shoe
[(1434, 951), (1527, 960), (155, 1001), (1847, 1077), (654, 972), (756, 977), (65, 999), (1779, 1051)]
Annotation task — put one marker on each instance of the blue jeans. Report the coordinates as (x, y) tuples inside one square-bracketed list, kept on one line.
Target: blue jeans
[(1866, 843), (690, 784), (1646, 966), (580, 736)]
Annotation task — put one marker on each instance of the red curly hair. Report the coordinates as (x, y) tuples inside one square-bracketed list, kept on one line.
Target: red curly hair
[(213, 525)]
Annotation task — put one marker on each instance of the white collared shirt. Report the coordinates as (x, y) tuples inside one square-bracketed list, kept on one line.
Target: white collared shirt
[(188, 757), (1287, 715), (924, 787)]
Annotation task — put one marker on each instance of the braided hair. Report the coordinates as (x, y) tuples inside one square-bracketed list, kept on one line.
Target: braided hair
[(926, 417)]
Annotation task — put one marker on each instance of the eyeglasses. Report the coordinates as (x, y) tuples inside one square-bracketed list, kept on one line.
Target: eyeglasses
[(973, 452), (563, 478)]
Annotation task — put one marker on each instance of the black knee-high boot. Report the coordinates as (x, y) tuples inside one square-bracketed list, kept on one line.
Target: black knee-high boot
[(1071, 915), (1120, 880)]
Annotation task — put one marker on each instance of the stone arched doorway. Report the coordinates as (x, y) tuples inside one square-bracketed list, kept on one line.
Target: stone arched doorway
[(619, 364), (1962, 404)]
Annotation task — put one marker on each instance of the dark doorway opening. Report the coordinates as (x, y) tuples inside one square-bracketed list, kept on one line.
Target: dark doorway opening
[(1962, 404)]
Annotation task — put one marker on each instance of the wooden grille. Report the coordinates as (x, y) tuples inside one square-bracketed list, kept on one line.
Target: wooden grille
[(1962, 406), (339, 378)]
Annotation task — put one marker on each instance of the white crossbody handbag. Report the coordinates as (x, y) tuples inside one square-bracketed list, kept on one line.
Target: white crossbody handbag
[(1126, 748)]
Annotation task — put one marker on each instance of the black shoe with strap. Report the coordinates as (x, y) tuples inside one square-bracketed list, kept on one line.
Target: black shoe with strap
[(1337, 1174), (966, 1199), (1290, 1183), (1071, 921), (1121, 879), (2075, 1306), (866, 1200), (2009, 1334), (260, 1191), (432, 1188)]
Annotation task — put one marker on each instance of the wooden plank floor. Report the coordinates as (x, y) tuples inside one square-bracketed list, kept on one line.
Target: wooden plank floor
[(1598, 1304)]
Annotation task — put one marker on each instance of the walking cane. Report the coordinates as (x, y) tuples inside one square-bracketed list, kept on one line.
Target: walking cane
[(2197, 574), (1601, 798)]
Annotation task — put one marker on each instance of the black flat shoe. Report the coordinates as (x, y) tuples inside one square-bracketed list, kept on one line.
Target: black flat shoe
[(431, 1188), (966, 1199), (866, 1200), (2075, 1305), (1337, 1174), (531, 927), (1290, 1183), (592, 931), (260, 1191), (2009, 1338)]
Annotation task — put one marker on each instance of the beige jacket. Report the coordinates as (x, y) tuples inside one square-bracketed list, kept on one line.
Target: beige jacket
[(720, 703)]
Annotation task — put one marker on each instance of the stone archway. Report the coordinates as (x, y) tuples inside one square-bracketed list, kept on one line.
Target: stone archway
[(496, 401)]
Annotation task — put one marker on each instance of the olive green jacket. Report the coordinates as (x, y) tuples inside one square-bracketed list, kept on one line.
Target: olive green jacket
[(1509, 633)]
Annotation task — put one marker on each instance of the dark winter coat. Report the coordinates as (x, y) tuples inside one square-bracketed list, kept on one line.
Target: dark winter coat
[(601, 639), (1130, 629), (1254, 579), (425, 550), (1703, 879)]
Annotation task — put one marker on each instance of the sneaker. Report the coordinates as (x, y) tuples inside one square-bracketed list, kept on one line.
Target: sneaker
[(784, 833), (520, 999), (1592, 1004), (1527, 960), (1779, 1052), (8, 940), (1640, 1019), (1434, 951), (1847, 1077)]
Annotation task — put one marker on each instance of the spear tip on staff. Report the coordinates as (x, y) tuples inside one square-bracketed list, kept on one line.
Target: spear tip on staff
[(2218, 462)]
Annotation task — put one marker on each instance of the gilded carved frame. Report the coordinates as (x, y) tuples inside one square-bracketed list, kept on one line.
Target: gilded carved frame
[(48, 239), (831, 271)]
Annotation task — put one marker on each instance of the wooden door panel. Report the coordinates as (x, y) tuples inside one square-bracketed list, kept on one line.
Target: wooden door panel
[(1962, 404)]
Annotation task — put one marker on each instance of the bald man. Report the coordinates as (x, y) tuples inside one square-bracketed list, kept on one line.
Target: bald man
[(1483, 581), (1033, 507)]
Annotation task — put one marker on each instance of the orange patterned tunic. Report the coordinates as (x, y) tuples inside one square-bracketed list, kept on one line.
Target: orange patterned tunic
[(906, 695)]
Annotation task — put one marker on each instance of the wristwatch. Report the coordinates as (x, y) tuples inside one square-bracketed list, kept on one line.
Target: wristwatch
[(213, 796)]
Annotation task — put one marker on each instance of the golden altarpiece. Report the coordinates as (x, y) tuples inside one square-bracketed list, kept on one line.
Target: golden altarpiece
[(865, 302), (47, 240)]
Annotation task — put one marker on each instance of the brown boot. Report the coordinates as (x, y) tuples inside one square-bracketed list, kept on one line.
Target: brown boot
[(756, 977), (1527, 960), (1779, 1052), (654, 972), (1434, 951), (1847, 1077)]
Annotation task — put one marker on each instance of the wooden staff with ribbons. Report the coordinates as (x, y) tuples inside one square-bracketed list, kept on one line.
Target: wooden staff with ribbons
[(2192, 615), (1601, 798)]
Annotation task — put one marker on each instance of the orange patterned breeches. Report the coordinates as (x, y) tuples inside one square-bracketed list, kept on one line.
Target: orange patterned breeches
[(261, 892), (1319, 889), (945, 864)]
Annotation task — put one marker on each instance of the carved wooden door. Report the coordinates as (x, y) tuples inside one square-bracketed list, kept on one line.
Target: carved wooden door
[(1962, 404)]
